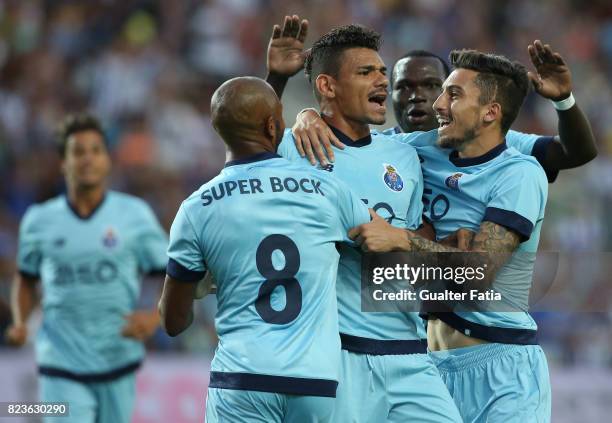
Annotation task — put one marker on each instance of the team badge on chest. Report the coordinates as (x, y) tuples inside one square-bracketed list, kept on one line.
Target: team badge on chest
[(110, 238), (392, 178), (453, 181)]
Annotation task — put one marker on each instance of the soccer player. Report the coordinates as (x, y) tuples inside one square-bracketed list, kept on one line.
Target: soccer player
[(386, 374), (89, 248), (266, 229), (416, 82), (490, 360), (574, 147)]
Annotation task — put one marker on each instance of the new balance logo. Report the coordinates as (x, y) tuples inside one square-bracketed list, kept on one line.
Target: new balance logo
[(327, 167)]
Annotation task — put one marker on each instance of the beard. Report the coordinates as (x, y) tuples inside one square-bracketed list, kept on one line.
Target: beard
[(458, 142)]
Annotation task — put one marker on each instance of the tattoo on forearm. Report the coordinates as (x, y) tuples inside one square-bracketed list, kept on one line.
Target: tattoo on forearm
[(494, 238), (497, 243), (421, 244), (487, 247)]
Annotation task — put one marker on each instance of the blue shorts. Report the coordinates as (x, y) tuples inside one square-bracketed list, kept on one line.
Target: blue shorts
[(241, 406), (392, 388), (497, 382), (91, 402)]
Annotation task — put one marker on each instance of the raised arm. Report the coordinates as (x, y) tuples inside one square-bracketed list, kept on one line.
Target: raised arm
[(286, 53), (552, 79)]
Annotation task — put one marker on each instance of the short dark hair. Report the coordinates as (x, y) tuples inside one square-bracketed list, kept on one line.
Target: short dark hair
[(74, 123), (499, 79), (422, 53), (325, 54)]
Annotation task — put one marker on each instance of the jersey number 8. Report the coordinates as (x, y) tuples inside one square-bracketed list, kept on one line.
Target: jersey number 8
[(274, 278)]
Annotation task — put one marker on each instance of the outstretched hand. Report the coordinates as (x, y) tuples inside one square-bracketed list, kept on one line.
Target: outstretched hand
[(286, 53), (552, 79)]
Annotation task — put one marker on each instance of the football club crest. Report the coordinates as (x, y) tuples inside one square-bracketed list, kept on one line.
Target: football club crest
[(392, 178), (453, 181), (110, 239)]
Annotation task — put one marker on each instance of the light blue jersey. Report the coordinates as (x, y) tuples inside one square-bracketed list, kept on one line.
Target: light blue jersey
[(266, 229), (384, 365), (90, 270), (505, 187), (528, 144), (487, 381), (386, 175)]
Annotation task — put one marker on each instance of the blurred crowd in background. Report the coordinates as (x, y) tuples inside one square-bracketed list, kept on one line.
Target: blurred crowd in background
[(147, 69)]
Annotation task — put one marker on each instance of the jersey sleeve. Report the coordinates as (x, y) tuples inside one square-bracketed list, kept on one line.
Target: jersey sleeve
[(287, 148), (351, 210), (151, 243), (533, 145), (29, 255), (414, 217), (416, 139), (389, 131), (518, 199), (185, 260), (404, 137)]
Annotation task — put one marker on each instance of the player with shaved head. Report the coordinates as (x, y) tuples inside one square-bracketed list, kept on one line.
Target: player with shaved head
[(240, 109), (263, 223)]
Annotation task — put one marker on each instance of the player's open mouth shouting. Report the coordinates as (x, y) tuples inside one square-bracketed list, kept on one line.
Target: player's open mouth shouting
[(377, 99)]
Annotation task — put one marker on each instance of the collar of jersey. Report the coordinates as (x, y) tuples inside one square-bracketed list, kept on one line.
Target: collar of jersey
[(90, 215), (346, 140), (472, 161), (254, 158)]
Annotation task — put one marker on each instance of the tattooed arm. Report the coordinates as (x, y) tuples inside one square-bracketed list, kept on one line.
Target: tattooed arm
[(491, 238), (378, 236), (492, 241)]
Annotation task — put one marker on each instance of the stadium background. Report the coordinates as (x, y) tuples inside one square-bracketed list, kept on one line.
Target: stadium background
[(147, 69)]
